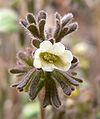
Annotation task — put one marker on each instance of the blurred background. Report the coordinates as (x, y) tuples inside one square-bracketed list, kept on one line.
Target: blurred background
[(84, 103)]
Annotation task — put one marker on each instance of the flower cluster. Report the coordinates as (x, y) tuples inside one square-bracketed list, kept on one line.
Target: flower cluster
[(50, 62)]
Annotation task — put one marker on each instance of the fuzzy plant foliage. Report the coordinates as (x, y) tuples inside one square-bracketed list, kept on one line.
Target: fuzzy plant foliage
[(50, 64)]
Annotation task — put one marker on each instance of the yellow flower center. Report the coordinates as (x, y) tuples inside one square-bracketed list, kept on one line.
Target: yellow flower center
[(48, 57)]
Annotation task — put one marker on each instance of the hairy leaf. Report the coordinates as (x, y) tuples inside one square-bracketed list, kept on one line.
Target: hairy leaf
[(66, 89), (41, 15), (33, 91), (36, 43), (34, 30), (74, 62), (47, 100), (25, 58), (58, 16), (66, 19), (17, 70), (31, 18), (72, 27), (41, 28), (24, 23), (25, 79), (62, 34), (54, 94), (57, 29)]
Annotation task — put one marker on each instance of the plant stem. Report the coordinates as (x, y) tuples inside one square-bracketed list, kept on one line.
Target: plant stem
[(42, 110)]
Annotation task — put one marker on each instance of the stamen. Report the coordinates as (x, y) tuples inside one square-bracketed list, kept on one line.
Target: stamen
[(48, 57)]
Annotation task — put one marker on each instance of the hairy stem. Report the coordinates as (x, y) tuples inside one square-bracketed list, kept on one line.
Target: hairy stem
[(42, 110)]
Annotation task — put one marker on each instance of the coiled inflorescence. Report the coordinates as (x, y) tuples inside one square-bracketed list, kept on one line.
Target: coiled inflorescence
[(33, 79)]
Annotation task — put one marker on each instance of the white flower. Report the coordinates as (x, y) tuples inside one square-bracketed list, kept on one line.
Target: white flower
[(52, 56)]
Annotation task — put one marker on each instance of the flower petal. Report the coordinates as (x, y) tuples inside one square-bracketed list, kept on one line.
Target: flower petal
[(67, 56), (45, 46), (37, 63), (47, 67), (67, 66), (63, 67), (37, 53), (58, 48)]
